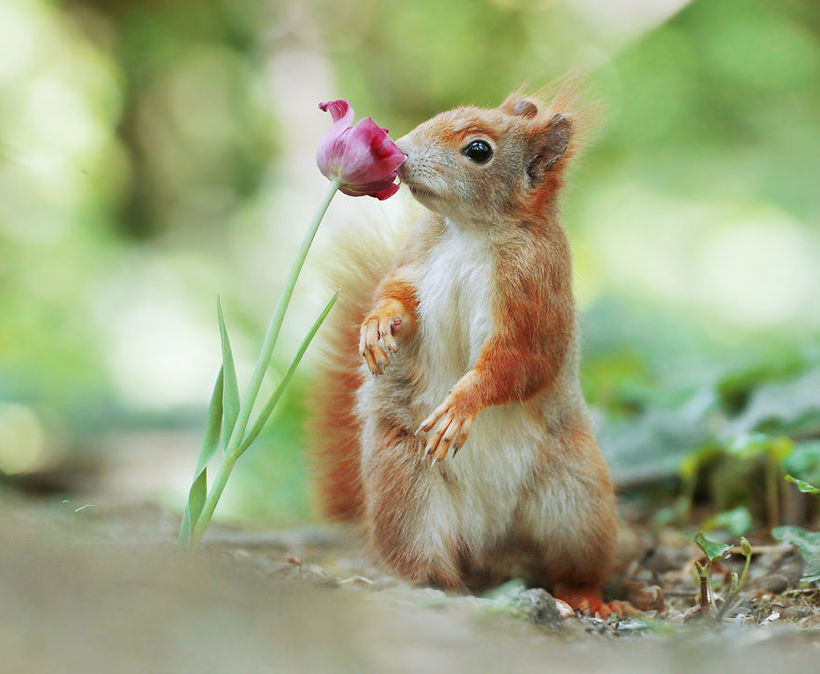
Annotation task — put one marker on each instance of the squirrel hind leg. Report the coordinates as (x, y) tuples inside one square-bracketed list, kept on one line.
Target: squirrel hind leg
[(410, 523)]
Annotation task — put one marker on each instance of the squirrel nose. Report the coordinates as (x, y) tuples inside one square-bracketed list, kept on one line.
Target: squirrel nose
[(404, 144)]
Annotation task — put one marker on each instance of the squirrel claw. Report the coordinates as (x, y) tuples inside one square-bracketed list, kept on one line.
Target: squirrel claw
[(371, 350), (376, 341), (449, 430)]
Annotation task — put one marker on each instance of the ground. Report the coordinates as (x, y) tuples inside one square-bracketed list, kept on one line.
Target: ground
[(104, 589)]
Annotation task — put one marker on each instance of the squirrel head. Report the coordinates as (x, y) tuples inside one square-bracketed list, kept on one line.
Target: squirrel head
[(478, 165)]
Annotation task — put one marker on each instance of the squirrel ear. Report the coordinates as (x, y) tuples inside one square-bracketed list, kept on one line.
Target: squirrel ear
[(550, 146), (519, 107), (525, 108)]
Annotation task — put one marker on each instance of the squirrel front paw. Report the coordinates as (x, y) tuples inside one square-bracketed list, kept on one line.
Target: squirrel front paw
[(379, 327), (452, 424)]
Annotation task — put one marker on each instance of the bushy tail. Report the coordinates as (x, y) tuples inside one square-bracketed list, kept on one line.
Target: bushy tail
[(363, 259)]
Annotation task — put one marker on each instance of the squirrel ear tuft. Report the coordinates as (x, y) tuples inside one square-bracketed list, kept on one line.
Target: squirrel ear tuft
[(550, 146)]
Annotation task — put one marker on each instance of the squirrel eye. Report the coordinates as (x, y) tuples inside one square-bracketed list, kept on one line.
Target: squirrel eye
[(479, 151)]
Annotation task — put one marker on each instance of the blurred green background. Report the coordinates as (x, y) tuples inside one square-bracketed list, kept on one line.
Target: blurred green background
[(154, 154)]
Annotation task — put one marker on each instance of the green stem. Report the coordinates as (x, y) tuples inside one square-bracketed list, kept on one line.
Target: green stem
[(710, 593), (235, 444), (275, 325), (745, 572), (213, 498)]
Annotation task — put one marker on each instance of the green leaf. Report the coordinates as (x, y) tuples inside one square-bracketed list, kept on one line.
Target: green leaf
[(751, 445), (736, 521), (804, 461), (809, 545), (805, 487), (712, 549), (270, 405), (738, 386), (199, 486), (787, 408), (632, 448), (230, 394)]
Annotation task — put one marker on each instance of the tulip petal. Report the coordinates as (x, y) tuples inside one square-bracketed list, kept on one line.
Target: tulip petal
[(370, 154), (381, 189), (330, 153), (340, 110)]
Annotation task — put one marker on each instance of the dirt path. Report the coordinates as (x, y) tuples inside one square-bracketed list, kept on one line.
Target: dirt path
[(104, 590)]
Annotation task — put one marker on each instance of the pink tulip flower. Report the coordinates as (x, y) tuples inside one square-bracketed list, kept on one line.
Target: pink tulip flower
[(361, 157)]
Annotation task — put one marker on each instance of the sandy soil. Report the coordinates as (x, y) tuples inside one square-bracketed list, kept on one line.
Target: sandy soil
[(104, 590)]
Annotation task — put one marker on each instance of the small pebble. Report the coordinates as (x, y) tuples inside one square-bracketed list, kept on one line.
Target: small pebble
[(541, 608), (773, 582)]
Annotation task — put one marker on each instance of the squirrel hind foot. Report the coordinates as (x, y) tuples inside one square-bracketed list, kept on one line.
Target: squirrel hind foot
[(588, 599)]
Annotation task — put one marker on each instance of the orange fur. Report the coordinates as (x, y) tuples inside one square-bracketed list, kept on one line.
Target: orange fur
[(477, 316), (335, 429)]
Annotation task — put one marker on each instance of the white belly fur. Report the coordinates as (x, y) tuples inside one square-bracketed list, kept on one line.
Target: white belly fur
[(483, 483)]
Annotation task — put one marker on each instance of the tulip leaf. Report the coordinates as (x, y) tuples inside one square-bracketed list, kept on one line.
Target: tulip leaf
[(199, 487), (712, 549), (271, 403), (809, 545), (803, 486), (230, 393)]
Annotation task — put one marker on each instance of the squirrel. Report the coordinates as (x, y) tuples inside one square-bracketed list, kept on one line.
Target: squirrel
[(451, 421)]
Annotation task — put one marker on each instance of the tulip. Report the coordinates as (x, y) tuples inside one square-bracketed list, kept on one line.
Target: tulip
[(361, 158)]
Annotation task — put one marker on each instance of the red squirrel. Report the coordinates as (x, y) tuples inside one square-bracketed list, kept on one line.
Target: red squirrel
[(451, 418)]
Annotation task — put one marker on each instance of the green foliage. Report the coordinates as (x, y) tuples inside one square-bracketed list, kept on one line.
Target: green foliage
[(788, 406), (229, 408), (199, 487), (620, 381), (230, 387), (724, 453), (805, 487), (715, 551), (804, 461), (736, 387), (199, 507), (809, 545), (712, 549), (736, 521)]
